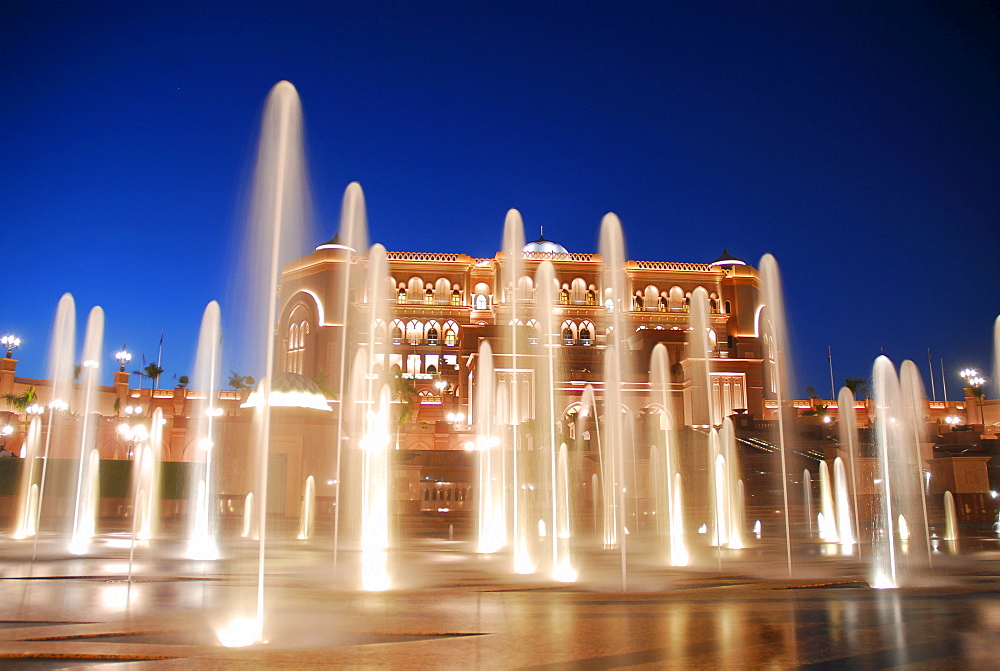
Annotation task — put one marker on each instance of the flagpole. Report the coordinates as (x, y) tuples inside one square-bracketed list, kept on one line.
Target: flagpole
[(159, 358), (944, 385), (930, 369), (829, 358)]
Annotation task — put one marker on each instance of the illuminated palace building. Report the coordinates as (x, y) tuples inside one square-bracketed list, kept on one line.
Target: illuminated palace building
[(443, 306)]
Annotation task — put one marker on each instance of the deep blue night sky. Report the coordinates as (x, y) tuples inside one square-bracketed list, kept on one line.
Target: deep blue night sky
[(858, 142)]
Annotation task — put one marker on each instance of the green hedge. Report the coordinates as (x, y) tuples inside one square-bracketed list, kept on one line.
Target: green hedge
[(115, 476)]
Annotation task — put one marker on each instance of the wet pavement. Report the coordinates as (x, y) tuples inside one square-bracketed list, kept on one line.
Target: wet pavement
[(452, 608)]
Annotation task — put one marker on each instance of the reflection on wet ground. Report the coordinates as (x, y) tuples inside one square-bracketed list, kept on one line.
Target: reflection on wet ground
[(458, 609)]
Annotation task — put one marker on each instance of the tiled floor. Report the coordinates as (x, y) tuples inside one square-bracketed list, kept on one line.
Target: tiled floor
[(453, 609)]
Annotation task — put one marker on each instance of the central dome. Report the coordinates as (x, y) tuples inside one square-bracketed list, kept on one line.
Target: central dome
[(543, 245)]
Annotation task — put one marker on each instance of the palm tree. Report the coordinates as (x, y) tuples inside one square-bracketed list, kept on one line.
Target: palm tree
[(20, 403), (240, 382), (857, 385), (404, 390), (153, 372)]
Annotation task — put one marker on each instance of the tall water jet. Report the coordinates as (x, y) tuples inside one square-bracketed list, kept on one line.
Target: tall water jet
[(828, 531), (84, 511), (246, 530), (848, 429), (62, 344), (702, 414), (307, 515), (733, 485), (492, 503), (678, 548), (950, 518), (921, 449), (26, 520), (278, 218), (547, 418), (146, 480), (374, 499), (775, 335), (563, 570), (897, 423), (371, 396), (588, 410), (719, 517), (617, 299), (202, 543), (807, 498), (516, 291), (842, 504), (669, 509), (352, 238), (892, 443)]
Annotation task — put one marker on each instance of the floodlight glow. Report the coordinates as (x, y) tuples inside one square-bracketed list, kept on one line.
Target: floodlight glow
[(239, 633)]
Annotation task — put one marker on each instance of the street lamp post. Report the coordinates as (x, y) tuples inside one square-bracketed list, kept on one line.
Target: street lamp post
[(975, 382), (122, 357), (11, 343), (133, 433)]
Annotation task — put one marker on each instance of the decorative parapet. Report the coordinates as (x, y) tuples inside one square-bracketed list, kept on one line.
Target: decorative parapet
[(426, 256), (670, 265), (560, 256)]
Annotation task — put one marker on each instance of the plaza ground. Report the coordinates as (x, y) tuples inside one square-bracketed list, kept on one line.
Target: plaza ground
[(452, 608)]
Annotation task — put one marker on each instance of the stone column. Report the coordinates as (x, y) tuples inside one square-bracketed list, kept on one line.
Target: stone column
[(8, 367), (121, 388)]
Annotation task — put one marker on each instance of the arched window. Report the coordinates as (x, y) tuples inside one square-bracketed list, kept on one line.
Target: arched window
[(456, 297), (663, 303), (567, 336), (432, 336), (450, 333), (563, 297), (396, 333), (429, 296), (609, 305), (591, 297), (295, 355), (481, 303), (532, 331), (401, 295), (414, 331), (442, 291), (729, 307), (525, 289), (638, 302), (586, 328)]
